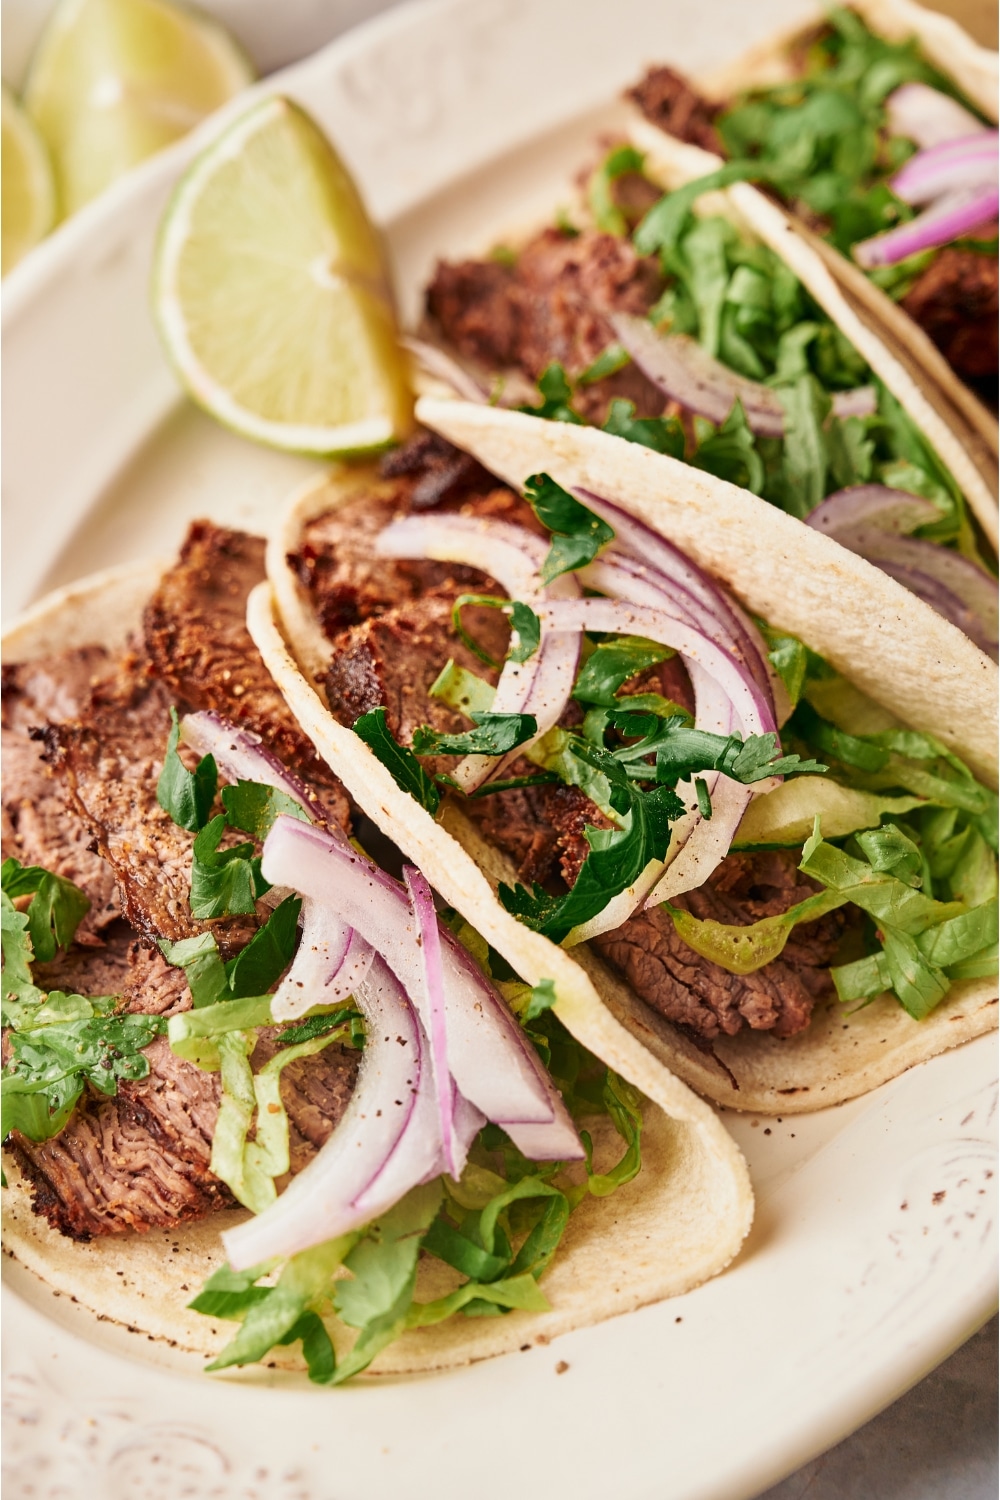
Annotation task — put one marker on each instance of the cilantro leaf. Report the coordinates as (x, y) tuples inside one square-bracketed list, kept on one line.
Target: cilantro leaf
[(730, 451), (494, 734), (224, 882), (401, 763), (578, 534), (610, 360), (186, 795), (662, 434), (57, 907), (265, 958), (50, 1064), (607, 215), (557, 398), (611, 664), (252, 808), (527, 628)]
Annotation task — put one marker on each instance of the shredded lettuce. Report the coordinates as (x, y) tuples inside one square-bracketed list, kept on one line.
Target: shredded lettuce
[(742, 950)]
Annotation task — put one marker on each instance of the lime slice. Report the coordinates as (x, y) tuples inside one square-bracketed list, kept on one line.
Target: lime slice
[(272, 294), (28, 192), (112, 81)]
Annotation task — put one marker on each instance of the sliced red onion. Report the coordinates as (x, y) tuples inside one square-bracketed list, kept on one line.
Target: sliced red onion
[(872, 505), (336, 1192), (677, 572), (872, 520), (441, 365), (928, 117), (953, 586), (953, 215), (699, 845), (490, 1059), (432, 1008), (687, 373), (513, 556), (241, 756), (330, 962), (969, 162)]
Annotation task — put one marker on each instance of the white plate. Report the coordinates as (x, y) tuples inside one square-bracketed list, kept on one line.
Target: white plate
[(873, 1251)]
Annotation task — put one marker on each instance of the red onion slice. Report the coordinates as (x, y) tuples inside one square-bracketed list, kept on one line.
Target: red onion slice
[(330, 962), (872, 520), (950, 217), (968, 162), (649, 549), (928, 117), (491, 1061), (514, 557), (432, 1008), (241, 756), (687, 373), (337, 1191), (872, 505), (441, 365)]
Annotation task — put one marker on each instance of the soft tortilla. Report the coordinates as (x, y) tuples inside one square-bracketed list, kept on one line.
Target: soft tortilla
[(964, 432), (680, 1222), (911, 660)]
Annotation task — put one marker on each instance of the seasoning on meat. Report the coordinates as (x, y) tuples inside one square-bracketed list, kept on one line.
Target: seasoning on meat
[(669, 101), (551, 305), (955, 301)]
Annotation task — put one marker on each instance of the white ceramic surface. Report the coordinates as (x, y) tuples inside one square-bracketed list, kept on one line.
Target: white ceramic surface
[(873, 1252)]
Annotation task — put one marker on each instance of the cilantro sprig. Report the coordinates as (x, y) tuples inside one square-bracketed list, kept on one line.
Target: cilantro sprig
[(577, 534)]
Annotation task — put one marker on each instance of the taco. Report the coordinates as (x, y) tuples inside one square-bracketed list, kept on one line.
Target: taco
[(173, 1047), (665, 289), (781, 945), (874, 124)]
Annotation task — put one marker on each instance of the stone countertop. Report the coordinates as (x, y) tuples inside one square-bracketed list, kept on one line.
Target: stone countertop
[(938, 1442)]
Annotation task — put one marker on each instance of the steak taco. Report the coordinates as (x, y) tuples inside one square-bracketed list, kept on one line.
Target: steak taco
[(579, 693), (672, 303), (215, 1001), (874, 124)]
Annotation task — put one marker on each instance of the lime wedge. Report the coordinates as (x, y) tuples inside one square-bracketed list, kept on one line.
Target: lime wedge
[(28, 191), (112, 81), (272, 294)]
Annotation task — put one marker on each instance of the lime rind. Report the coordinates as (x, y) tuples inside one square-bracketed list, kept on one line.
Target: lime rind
[(113, 81), (28, 186), (271, 292)]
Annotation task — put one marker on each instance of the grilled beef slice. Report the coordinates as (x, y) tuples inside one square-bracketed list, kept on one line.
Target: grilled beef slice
[(196, 635), (551, 305), (955, 301), (140, 1160), (110, 760), (689, 989), (38, 828), (670, 102)]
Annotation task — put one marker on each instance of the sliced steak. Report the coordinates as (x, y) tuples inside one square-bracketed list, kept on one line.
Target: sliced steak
[(956, 302), (670, 102), (337, 563), (199, 646), (391, 661), (38, 826), (93, 970), (110, 761), (140, 1160), (702, 996), (551, 305)]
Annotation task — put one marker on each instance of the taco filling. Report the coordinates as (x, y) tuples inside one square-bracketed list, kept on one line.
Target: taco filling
[(213, 997), (607, 716), (878, 152), (676, 331)]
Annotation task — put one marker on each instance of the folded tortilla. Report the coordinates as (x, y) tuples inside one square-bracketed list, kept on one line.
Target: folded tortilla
[(959, 426), (681, 1221), (890, 644)]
